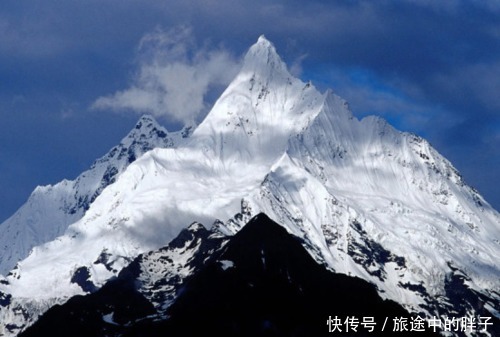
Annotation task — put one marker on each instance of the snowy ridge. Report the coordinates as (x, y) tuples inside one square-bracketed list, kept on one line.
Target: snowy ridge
[(51, 209), (367, 200)]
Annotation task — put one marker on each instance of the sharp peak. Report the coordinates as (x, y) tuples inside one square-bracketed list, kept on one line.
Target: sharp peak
[(262, 48), (263, 55), (262, 40), (146, 120), (145, 126)]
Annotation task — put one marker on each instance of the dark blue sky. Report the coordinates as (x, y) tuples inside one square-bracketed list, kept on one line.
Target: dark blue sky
[(76, 75)]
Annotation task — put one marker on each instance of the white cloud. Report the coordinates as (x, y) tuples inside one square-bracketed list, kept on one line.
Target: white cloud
[(296, 67), (173, 77)]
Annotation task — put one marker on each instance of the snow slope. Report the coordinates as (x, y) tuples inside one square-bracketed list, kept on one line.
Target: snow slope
[(368, 200)]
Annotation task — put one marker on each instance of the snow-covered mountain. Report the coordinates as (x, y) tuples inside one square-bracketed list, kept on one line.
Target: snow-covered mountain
[(367, 201), (51, 209)]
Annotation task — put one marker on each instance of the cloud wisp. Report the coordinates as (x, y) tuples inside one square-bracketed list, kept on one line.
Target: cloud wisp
[(174, 77)]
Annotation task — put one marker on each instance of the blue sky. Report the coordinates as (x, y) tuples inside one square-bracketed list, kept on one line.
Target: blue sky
[(76, 75)]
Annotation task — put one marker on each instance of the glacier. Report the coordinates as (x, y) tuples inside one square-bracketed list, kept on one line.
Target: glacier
[(368, 201)]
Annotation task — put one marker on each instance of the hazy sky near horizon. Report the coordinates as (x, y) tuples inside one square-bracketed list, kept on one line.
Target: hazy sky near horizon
[(75, 76)]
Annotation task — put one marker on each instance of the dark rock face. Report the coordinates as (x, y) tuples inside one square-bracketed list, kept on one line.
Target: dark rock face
[(261, 282), (5, 299), (103, 313), (368, 253), (264, 283), (82, 278)]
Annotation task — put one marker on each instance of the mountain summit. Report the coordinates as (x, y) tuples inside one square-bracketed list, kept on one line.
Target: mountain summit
[(255, 116), (365, 199), (263, 60)]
